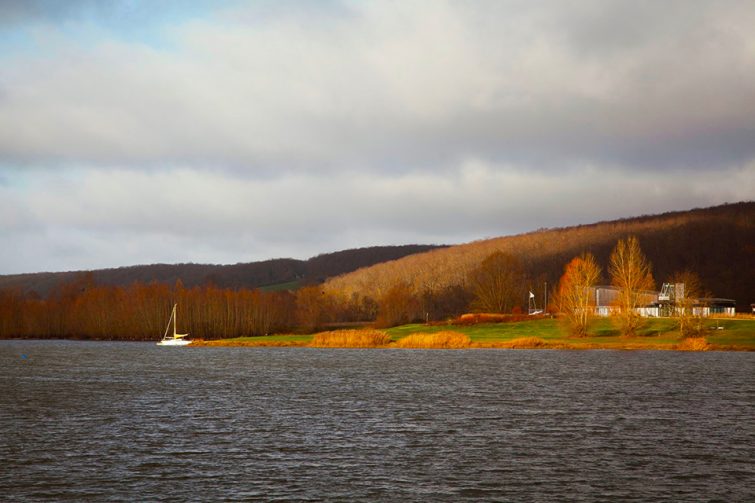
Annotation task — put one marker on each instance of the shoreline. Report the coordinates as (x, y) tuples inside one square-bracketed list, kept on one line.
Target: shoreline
[(634, 346), (230, 343), (658, 335)]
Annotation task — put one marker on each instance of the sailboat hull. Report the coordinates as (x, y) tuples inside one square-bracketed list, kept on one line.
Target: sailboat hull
[(177, 339), (173, 342)]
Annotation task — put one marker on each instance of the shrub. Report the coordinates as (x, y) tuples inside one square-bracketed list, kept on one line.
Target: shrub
[(438, 340), (693, 344), (350, 339)]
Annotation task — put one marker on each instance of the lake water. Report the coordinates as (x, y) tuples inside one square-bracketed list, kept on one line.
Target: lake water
[(138, 422)]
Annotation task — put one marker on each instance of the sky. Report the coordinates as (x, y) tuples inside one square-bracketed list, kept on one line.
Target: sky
[(137, 132)]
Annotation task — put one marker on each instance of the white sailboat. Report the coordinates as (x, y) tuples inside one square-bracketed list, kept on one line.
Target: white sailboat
[(175, 339)]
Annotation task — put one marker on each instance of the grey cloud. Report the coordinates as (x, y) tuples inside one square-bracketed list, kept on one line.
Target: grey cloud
[(110, 218), (393, 87), (15, 12)]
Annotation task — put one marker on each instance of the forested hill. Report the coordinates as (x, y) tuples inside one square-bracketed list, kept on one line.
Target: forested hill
[(717, 243), (247, 275)]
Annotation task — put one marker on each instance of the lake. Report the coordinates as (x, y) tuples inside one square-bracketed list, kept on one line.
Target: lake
[(137, 422)]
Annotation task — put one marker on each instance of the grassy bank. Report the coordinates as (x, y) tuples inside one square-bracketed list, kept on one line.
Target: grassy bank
[(734, 334)]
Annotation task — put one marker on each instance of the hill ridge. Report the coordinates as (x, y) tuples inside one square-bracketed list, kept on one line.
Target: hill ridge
[(240, 275), (717, 242)]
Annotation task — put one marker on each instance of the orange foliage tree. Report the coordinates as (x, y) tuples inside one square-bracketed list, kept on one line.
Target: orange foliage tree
[(398, 306), (575, 292)]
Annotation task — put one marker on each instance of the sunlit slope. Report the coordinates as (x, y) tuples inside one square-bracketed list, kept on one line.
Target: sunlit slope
[(718, 243)]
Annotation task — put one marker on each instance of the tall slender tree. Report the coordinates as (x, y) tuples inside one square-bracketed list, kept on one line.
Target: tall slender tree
[(631, 273), (576, 297)]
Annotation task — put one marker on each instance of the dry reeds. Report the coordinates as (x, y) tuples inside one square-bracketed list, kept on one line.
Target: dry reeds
[(351, 339), (438, 340), (693, 344), (526, 343)]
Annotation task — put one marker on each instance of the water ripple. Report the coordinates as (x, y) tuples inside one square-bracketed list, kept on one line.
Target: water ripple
[(128, 421)]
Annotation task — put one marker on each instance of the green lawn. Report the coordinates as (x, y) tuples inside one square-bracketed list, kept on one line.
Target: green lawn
[(656, 334)]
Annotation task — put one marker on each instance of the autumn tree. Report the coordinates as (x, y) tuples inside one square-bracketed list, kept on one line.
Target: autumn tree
[(631, 273), (576, 299), (398, 306), (498, 283), (313, 307)]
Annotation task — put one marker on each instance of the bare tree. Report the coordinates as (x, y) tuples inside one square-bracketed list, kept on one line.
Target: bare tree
[(631, 273), (687, 290), (576, 292), (498, 284)]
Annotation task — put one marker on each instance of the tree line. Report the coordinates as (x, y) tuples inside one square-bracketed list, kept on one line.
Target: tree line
[(492, 276), (499, 284)]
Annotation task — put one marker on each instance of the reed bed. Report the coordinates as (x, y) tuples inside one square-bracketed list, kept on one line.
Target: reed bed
[(694, 344), (439, 340), (526, 343), (367, 338)]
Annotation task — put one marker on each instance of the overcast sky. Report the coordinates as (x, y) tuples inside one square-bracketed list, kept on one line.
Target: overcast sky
[(137, 132)]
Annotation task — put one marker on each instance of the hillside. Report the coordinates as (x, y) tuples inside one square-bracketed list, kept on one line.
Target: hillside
[(244, 275), (718, 243)]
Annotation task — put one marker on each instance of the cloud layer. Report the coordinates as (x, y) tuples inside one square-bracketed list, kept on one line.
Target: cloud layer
[(246, 132)]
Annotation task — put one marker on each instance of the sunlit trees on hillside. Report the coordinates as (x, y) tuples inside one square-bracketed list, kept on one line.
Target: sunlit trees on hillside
[(314, 307), (631, 273), (397, 306), (448, 302), (498, 283), (709, 240), (575, 296)]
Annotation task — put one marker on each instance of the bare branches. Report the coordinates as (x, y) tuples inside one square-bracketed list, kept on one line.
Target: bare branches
[(630, 272)]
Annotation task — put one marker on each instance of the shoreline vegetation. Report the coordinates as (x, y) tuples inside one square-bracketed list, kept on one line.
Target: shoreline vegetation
[(544, 333)]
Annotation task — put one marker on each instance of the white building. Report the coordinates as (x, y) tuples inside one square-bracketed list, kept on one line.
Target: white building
[(659, 304)]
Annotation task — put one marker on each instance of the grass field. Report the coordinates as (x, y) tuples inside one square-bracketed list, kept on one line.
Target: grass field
[(735, 334), (657, 334)]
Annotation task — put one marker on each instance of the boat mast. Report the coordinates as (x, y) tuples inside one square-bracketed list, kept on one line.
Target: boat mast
[(172, 317)]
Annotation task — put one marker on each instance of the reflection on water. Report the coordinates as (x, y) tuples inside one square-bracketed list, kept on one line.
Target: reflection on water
[(133, 421)]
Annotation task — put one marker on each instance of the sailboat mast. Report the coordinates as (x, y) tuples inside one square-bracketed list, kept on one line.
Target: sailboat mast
[(175, 322)]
